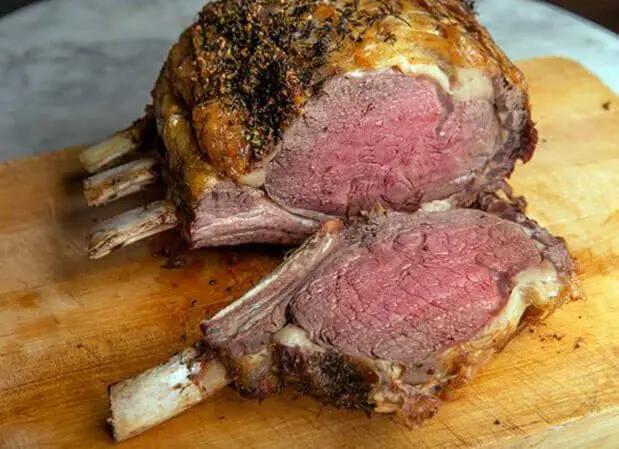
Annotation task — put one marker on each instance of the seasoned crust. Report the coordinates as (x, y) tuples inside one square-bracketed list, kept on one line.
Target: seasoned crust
[(324, 375), (242, 73)]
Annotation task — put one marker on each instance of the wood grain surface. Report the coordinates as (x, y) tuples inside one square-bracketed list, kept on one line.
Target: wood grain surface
[(70, 326)]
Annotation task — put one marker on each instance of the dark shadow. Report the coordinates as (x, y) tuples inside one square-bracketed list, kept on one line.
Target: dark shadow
[(8, 6)]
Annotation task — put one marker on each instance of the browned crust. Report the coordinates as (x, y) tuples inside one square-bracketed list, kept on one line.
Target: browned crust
[(326, 376), (529, 137)]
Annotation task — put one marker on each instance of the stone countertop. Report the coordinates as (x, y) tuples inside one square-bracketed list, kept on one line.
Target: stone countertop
[(74, 71)]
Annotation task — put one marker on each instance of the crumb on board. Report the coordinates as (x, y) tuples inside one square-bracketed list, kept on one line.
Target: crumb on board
[(554, 337), (164, 252), (497, 422), (174, 263), (193, 302), (578, 343)]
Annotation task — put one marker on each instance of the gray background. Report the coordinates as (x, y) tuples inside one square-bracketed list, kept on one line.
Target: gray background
[(73, 71)]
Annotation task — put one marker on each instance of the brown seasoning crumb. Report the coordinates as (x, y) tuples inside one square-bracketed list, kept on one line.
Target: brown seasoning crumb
[(174, 263), (579, 342)]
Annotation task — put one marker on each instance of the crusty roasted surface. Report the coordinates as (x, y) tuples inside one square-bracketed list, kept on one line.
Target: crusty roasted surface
[(242, 73)]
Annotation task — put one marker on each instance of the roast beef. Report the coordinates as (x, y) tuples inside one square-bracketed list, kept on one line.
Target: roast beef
[(387, 313), (272, 117)]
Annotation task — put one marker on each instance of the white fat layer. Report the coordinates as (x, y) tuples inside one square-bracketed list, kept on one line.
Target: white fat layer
[(537, 286), (294, 337), (437, 206), (472, 84), (403, 63), (254, 178), (356, 74), (211, 376)]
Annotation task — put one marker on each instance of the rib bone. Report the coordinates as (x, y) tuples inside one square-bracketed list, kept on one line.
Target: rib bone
[(139, 134), (102, 155), (156, 395), (120, 181), (131, 226)]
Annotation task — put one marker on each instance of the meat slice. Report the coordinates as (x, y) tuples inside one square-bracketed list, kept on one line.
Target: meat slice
[(315, 110), (387, 313)]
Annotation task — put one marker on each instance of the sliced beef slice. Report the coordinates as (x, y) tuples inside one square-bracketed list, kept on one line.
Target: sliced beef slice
[(396, 310)]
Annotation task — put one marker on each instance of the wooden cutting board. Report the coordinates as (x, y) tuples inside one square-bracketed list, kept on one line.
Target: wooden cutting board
[(70, 326)]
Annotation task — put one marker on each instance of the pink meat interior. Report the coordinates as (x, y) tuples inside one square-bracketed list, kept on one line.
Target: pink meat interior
[(382, 138), (415, 289)]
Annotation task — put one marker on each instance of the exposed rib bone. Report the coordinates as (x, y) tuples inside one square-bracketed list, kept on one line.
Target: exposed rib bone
[(139, 134), (156, 395), (102, 155), (131, 226), (120, 181)]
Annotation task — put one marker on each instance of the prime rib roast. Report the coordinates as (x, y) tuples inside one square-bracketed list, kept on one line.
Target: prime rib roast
[(389, 313), (378, 135), (269, 117)]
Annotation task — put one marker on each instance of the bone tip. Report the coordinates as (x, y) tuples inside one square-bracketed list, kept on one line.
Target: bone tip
[(100, 155), (110, 422), (96, 251)]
